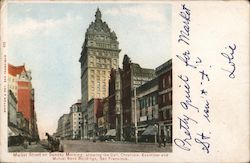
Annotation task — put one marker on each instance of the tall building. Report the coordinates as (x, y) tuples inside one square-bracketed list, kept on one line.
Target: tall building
[(19, 82), (132, 76), (164, 73), (100, 53), (115, 107)]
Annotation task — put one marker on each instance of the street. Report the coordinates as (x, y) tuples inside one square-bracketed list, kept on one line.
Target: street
[(89, 146), (33, 147)]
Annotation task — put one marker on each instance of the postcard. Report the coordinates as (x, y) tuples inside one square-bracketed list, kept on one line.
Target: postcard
[(124, 81)]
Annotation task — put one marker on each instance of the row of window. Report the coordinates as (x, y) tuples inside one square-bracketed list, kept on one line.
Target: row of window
[(103, 53), (103, 60), (12, 87), (92, 72), (76, 114), (9, 79), (142, 78), (166, 98), (150, 114), (102, 45), (166, 81), (148, 101), (165, 114)]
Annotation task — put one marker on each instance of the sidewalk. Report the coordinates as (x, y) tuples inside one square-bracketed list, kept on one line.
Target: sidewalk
[(30, 148), (90, 146)]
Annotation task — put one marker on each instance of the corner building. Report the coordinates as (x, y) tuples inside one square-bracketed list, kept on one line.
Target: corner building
[(132, 76), (100, 53)]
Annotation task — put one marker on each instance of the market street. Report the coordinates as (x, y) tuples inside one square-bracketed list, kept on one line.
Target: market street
[(89, 146)]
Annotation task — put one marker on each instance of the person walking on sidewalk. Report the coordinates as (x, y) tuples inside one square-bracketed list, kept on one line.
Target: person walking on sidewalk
[(159, 140), (163, 138)]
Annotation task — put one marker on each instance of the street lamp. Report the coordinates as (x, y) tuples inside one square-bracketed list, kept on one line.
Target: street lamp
[(84, 128), (81, 130), (136, 132), (156, 129)]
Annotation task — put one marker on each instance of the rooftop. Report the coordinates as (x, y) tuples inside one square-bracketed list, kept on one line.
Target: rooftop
[(15, 70)]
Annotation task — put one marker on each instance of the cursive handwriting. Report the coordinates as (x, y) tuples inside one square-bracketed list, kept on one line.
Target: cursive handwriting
[(188, 101), (206, 111), (184, 125), (184, 34), (205, 144), (185, 58), (190, 129), (230, 56)]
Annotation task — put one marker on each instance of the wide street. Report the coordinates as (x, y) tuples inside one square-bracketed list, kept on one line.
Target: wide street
[(33, 147), (89, 146)]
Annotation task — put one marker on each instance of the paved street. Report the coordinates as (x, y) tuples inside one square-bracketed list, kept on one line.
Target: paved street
[(89, 146), (39, 147)]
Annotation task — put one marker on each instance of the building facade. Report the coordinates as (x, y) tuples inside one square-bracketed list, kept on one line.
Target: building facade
[(132, 76), (12, 108), (92, 121), (100, 120), (106, 124), (115, 107), (100, 53), (164, 73), (75, 116), (19, 82), (62, 129), (147, 104), (22, 123)]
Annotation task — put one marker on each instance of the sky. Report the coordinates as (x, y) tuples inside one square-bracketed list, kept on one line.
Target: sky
[(47, 38)]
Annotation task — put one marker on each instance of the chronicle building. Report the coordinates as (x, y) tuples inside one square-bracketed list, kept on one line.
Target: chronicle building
[(100, 53)]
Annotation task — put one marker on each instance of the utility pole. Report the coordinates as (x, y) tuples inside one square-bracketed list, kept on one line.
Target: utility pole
[(136, 136)]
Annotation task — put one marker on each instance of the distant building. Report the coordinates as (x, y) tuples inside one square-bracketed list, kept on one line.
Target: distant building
[(75, 116), (61, 130), (164, 73), (132, 76), (100, 53)]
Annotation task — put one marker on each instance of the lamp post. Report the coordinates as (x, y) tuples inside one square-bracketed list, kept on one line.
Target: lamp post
[(156, 129), (136, 136), (81, 130), (84, 128)]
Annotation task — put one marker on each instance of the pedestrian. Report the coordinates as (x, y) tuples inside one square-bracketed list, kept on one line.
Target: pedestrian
[(159, 140), (163, 138), (25, 144)]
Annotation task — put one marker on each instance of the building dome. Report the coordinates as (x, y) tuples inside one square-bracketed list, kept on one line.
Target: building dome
[(99, 27)]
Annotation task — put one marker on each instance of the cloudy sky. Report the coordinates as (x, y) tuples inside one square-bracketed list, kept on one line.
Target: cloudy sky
[(47, 37)]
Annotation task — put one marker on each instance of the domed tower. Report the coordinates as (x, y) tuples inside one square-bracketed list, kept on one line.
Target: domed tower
[(100, 53)]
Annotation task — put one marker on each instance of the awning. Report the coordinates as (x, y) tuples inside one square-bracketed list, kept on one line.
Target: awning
[(13, 131), (111, 132), (150, 130)]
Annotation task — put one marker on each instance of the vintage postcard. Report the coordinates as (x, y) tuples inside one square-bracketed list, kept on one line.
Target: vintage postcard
[(124, 81)]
